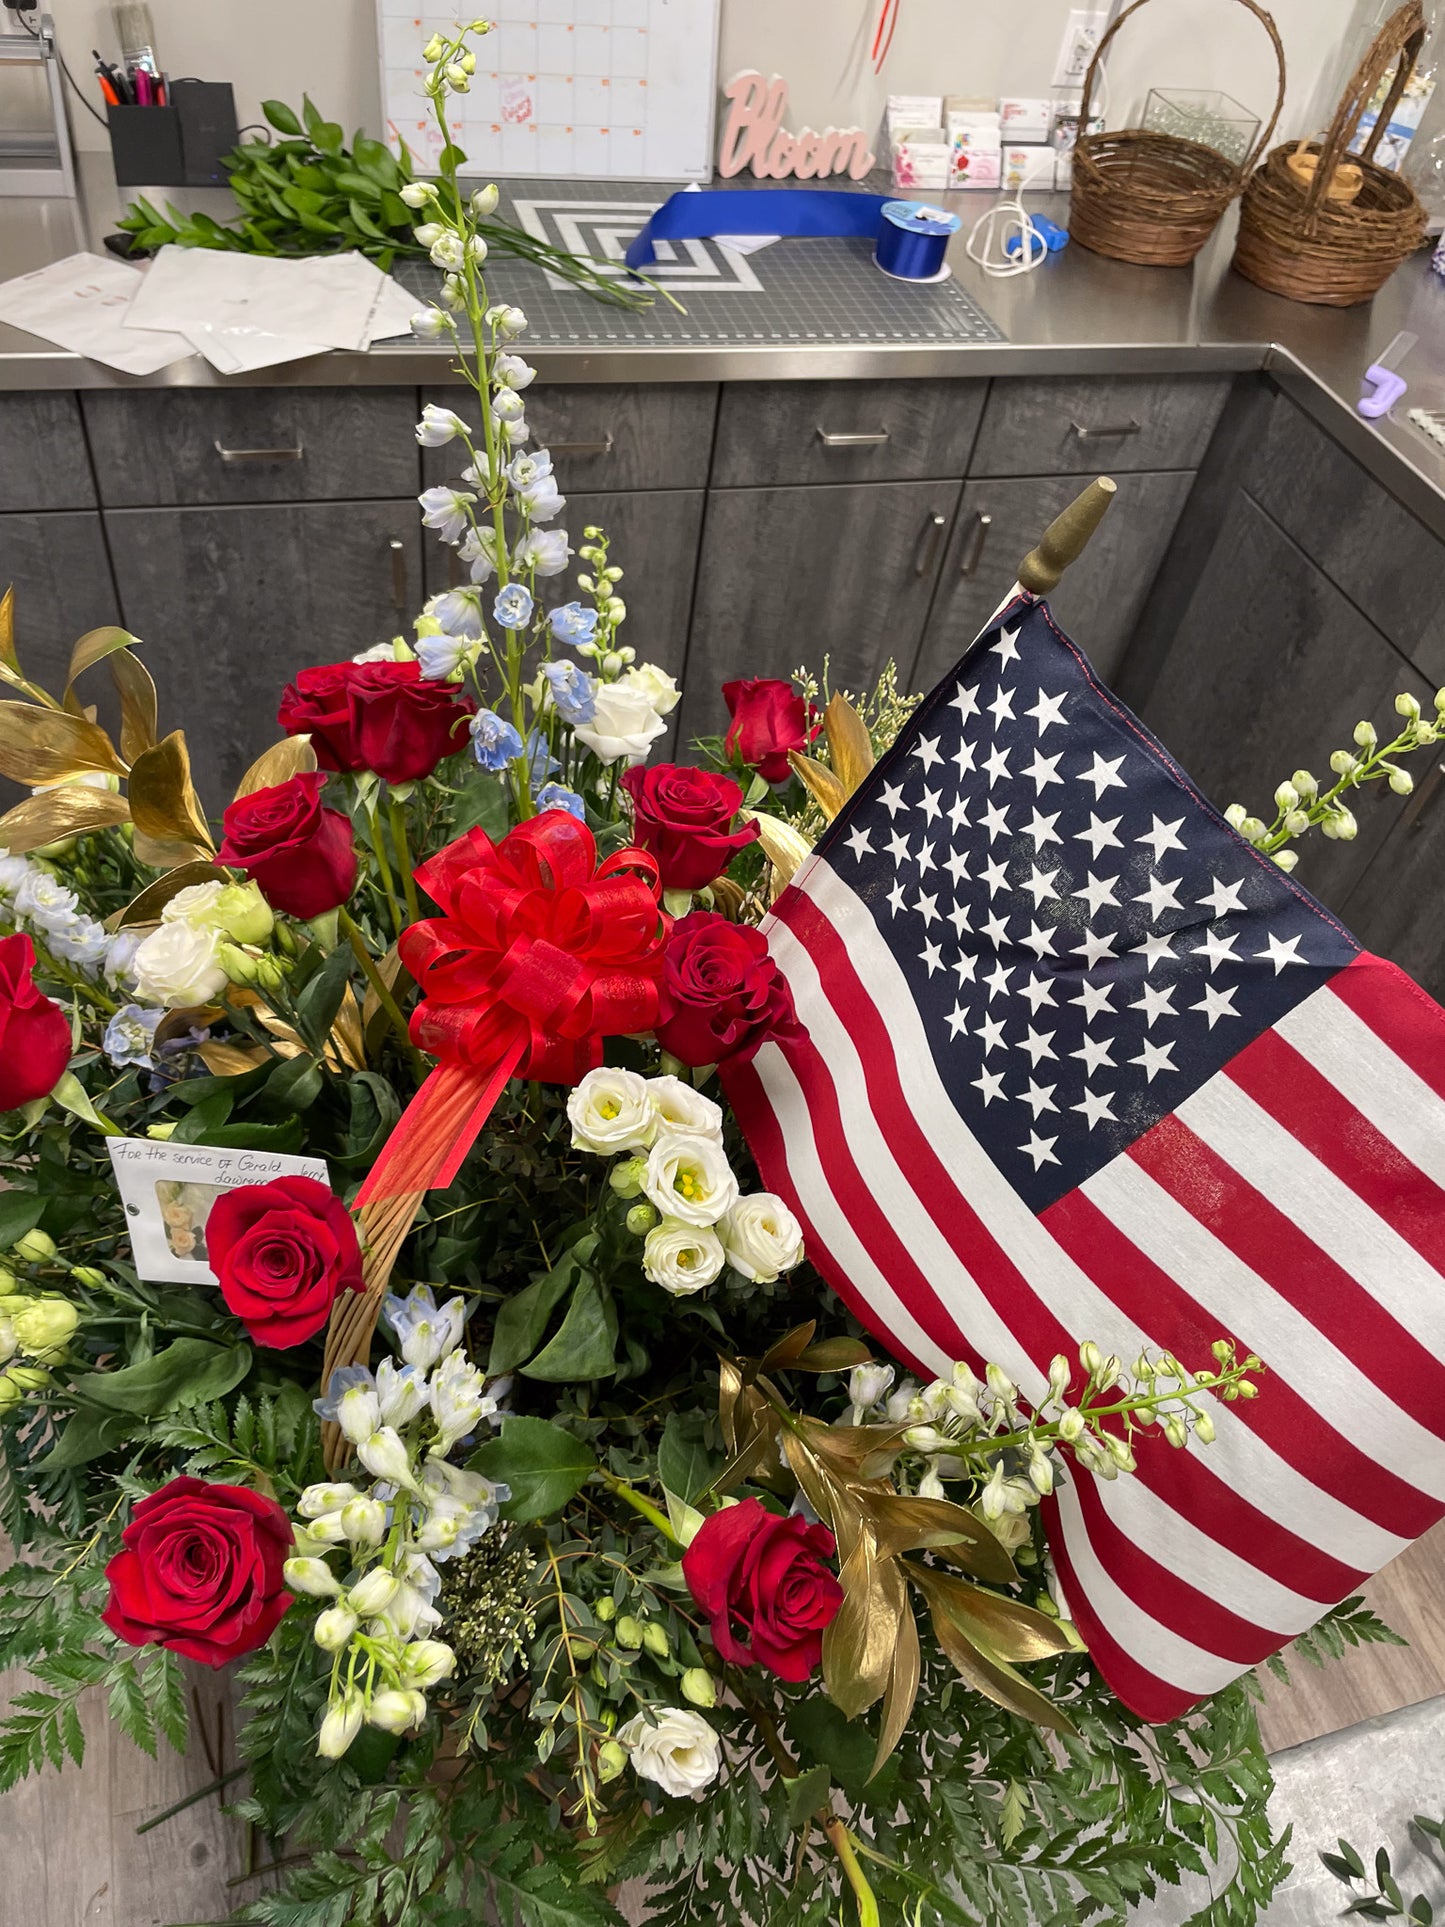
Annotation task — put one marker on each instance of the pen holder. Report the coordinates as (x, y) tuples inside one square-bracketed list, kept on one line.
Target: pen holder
[(179, 145)]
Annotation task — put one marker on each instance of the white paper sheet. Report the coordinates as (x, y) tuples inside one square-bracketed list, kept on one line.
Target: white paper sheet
[(323, 301), (393, 312), (81, 303)]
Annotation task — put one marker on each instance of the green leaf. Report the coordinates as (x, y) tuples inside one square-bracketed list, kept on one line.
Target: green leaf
[(294, 1084), (204, 1118), (806, 1795), (523, 1318), (684, 1464), (586, 1346), (287, 1136), (187, 1371), (319, 1002), (376, 161), (844, 1746), (281, 117), (311, 115), (19, 1212), (544, 1466), (88, 1435)]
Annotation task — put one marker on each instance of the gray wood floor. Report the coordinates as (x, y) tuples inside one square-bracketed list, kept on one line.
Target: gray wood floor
[(70, 1855)]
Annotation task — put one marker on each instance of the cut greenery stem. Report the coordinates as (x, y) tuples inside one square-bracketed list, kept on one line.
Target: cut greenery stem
[(403, 857), (383, 995)]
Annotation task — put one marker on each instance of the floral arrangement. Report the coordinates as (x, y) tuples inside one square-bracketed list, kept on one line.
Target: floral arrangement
[(566, 1528)]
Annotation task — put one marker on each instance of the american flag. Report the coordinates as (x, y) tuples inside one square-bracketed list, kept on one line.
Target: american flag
[(1080, 1063)]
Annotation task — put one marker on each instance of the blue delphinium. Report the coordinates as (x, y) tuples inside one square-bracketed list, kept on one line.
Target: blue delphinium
[(573, 624), (442, 656), (541, 762), (130, 1036), (513, 606), (545, 550), (445, 510), (552, 796), (573, 691), (494, 741), (459, 612)]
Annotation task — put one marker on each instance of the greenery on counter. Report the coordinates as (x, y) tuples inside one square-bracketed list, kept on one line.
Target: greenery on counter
[(309, 193)]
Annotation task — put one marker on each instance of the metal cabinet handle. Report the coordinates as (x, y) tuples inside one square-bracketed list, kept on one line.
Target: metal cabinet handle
[(1113, 432), (259, 454), (398, 575), (830, 440), (1413, 816), (929, 538), (974, 547), (582, 448)]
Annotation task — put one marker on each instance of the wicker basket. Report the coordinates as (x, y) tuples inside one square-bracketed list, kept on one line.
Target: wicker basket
[(1154, 199), (1294, 239)]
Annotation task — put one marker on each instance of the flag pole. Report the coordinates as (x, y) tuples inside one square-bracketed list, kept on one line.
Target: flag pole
[(1066, 538)]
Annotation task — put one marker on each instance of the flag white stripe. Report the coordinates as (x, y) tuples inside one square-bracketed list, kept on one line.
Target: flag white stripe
[(1170, 1236), (1340, 1222), (1175, 1542), (1165, 1653), (1238, 1456), (1368, 1074)]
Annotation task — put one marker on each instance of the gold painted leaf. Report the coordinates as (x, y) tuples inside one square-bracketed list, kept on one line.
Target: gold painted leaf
[(163, 803), (783, 846), (47, 745), (981, 1668), (147, 907), (833, 1355), (729, 1385), (849, 745), (789, 1348), (181, 1022), (906, 1524), (56, 813), (902, 1691), (93, 647), (232, 1060), (345, 1048), (7, 632), (833, 1505), (292, 756), (137, 704), (1005, 1628), (752, 1462), (820, 783), (858, 1646), (391, 971), (728, 898), (864, 1451)]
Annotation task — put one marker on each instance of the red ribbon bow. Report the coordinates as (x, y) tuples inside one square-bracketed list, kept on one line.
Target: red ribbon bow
[(541, 953)]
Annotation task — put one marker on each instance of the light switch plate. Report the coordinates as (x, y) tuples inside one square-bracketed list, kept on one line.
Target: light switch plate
[(1082, 34)]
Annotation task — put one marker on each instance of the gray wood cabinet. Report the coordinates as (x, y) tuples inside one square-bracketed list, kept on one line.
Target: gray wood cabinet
[(772, 432), (1097, 424), (230, 602), (1099, 599), (43, 459), (1397, 908), (791, 575), (61, 576), (165, 446), (603, 435), (1272, 666), (653, 536)]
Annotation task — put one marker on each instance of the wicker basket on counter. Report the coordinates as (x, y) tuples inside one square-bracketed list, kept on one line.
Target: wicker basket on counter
[(1151, 198), (1296, 237)]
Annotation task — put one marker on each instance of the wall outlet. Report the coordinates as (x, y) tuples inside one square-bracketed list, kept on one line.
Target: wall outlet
[(1084, 31)]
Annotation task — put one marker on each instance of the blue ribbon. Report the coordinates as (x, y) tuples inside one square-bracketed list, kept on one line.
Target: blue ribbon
[(741, 210)]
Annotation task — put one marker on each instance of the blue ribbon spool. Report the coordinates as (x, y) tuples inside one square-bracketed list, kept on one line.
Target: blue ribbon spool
[(913, 240)]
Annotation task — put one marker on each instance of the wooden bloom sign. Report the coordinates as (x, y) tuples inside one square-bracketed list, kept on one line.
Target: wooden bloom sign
[(755, 136)]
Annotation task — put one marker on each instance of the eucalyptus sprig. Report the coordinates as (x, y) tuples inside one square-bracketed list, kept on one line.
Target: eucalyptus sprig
[(309, 193)]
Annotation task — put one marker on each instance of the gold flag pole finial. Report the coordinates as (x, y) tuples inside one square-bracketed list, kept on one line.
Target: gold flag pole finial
[(1066, 537)]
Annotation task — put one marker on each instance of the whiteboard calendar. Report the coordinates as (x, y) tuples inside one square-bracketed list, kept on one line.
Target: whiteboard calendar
[(591, 89)]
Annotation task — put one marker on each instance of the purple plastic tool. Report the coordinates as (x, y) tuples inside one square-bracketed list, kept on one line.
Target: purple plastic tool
[(1388, 385)]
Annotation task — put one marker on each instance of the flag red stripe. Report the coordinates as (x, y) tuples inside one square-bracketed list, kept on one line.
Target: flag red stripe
[(1144, 1692), (1287, 1085), (1185, 1482), (1399, 1012)]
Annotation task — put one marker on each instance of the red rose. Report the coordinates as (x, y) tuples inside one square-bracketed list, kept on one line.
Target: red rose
[(34, 1032), (762, 1582), (682, 816), (299, 853), (401, 724), (200, 1571), (316, 705), (722, 994), (768, 719), (282, 1251)]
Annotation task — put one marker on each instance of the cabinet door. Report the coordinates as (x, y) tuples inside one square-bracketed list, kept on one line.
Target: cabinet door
[(1397, 909), (230, 602), (43, 463), (791, 575), (61, 575), (653, 537), (1092, 424), (1271, 669), (1099, 599), (602, 435), (772, 432)]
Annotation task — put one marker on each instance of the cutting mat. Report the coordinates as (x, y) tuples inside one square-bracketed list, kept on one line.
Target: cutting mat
[(795, 292)]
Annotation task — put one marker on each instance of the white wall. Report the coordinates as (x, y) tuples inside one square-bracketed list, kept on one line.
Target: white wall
[(283, 48)]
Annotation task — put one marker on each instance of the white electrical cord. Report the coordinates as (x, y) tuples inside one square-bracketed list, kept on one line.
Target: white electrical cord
[(1016, 221)]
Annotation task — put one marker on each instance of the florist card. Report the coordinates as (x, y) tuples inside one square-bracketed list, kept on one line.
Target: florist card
[(168, 1191)]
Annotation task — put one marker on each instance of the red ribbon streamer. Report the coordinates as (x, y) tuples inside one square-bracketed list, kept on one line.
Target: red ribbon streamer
[(541, 953)]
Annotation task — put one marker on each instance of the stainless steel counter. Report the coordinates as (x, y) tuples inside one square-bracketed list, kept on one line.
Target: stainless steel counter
[(1078, 314)]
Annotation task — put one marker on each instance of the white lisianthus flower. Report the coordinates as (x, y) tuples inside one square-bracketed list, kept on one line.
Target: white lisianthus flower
[(177, 965), (43, 900), (195, 905), (659, 688), (762, 1238), (626, 724), (610, 1111), (690, 1178), (676, 1748), (682, 1110), (13, 872), (682, 1258)]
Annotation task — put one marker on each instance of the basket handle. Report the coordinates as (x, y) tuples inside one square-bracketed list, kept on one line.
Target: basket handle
[(1252, 158), (1402, 35)]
